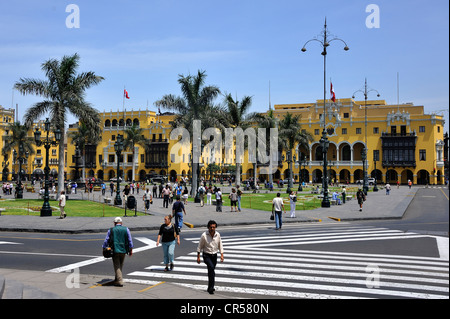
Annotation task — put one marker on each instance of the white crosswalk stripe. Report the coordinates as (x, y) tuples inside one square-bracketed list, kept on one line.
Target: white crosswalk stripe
[(254, 266)]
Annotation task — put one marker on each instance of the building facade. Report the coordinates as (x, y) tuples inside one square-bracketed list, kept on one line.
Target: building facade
[(403, 143)]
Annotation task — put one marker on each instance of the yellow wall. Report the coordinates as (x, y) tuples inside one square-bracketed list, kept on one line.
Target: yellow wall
[(349, 134)]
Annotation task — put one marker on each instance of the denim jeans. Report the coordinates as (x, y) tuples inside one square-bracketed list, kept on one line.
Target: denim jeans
[(278, 220), (179, 220), (169, 251)]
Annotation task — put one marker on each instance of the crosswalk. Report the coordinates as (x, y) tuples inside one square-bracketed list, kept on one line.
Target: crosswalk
[(280, 265)]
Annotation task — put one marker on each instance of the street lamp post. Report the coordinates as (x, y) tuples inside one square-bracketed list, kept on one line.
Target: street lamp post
[(118, 147), (364, 151), (46, 209), (300, 175), (325, 42)]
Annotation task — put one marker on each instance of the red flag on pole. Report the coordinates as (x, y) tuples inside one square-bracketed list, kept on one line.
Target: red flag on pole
[(125, 94), (333, 96)]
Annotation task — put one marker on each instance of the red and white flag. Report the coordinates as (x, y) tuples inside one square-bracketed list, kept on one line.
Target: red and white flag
[(333, 96), (125, 94)]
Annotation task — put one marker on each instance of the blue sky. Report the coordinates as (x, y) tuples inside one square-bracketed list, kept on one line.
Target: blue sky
[(242, 45)]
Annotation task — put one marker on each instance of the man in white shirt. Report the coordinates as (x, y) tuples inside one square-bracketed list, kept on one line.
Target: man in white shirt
[(62, 204), (201, 194), (277, 206), (210, 243)]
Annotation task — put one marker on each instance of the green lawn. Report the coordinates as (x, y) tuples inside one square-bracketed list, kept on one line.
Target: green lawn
[(81, 208), (263, 201), (86, 208)]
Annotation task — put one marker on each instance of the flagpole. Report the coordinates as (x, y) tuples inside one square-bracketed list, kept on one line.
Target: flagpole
[(123, 134)]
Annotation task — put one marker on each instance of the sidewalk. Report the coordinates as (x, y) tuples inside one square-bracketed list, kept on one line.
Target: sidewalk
[(16, 284), (378, 206)]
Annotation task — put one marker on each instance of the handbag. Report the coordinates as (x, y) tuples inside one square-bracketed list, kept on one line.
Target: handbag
[(272, 217), (108, 252)]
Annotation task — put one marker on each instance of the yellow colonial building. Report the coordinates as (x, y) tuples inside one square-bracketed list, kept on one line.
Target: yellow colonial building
[(403, 143), (32, 164)]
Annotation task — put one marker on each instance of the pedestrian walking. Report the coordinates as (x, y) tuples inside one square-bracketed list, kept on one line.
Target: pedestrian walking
[(208, 196), (233, 199), (185, 196), (126, 192), (239, 195), (166, 193), (62, 205), (361, 197), (292, 202), (210, 243), (218, 201), (120, 240), (388, 188), (201, 194), (177, 212), (148, 199), (111, 188), (168, 234), (277, 207)]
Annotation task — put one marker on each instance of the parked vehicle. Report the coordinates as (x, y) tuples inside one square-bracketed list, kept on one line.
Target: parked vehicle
[(370, 181)]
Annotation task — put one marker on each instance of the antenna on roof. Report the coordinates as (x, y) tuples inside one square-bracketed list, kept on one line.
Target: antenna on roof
[(270, 105), (398, 93)]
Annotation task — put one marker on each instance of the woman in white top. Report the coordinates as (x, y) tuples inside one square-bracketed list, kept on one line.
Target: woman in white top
[(208, 196), (292, 201)]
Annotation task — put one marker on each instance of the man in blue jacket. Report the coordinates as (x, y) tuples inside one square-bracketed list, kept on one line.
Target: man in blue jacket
[(119, 239)]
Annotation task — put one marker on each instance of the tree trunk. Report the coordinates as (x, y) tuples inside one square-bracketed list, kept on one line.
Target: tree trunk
[(61, 161)]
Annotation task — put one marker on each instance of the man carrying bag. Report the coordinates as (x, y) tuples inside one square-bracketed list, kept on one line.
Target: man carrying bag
[(120, 241)]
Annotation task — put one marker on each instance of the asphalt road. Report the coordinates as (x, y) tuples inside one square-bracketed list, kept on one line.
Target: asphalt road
[(406, 258)]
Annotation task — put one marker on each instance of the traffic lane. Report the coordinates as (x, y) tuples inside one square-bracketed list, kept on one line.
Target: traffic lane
[(64, 252), (428, 213), (48, 251)]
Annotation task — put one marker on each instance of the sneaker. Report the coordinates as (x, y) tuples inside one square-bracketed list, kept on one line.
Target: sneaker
[(171, 266)]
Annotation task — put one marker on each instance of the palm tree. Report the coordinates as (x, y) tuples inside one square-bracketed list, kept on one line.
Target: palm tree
[(85, 136), (291, 133), (196, 103), (17, 139), (237, 117), (134, 137), (63, 93)]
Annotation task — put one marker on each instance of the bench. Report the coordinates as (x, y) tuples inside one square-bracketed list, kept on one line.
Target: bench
[(107, 200), (1, 210), (349, 197)]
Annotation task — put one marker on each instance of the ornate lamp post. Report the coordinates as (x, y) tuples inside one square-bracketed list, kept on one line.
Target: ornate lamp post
[(365, 149), (118, 147), (325, 42), (48, 142), (289, 161)]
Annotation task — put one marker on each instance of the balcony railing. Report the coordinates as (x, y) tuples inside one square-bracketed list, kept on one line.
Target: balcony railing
[(399, 163)]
